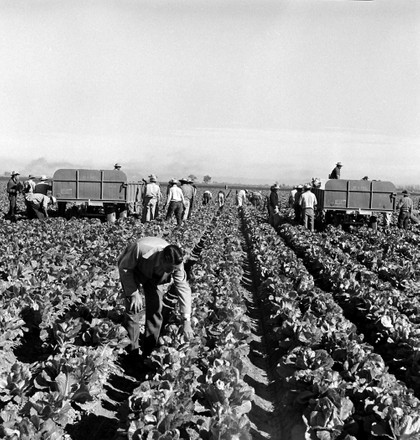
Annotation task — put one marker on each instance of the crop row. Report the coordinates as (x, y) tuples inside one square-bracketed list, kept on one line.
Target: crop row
[(197, 390), (61, 318), (389, 330), (341, 385)]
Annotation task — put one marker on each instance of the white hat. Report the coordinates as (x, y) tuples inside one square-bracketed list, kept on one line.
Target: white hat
[(43, 177), (15, 173), (152, 178)]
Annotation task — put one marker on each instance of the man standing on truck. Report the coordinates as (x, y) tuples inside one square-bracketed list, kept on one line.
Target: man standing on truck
[(308, 204), (117, 167), (152, 196), (405, 207), (153, 269), (335, 173)]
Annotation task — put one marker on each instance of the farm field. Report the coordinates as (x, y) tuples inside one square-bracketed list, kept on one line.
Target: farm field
[(298, 335)]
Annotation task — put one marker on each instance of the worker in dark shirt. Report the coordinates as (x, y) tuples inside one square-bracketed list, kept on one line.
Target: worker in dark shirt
[(335, 173), (43, 186), (405, 206), (13, 188)]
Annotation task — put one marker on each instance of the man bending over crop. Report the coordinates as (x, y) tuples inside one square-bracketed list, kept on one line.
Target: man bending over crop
[(157, 267)]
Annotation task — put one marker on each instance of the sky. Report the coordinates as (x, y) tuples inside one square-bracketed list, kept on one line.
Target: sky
[(250, 91)]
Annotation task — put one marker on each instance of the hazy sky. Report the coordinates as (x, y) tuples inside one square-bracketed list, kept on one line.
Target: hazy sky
[(242, 90)]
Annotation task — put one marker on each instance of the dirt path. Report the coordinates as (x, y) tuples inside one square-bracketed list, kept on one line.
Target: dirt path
[(273, 416)]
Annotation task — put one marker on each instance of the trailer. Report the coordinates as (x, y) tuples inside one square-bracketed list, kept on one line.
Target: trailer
[(96, 193), (354, 202)]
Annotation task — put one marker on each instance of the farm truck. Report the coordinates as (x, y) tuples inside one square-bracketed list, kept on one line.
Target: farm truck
[(96, 193), (353, 202)]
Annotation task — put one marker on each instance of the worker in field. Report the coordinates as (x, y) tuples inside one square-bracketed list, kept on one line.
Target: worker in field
[(207, 197), (335, 173), (117, 166), (221, 198), (152, 197), (152, 272), (43, 186), (273, 204), (241, 197), (296, 205), (175, 202), (405, 208), (308, 204), (292, 196), (188, 191), (29, 187), (14, 186), (256, 199), (39, 204)]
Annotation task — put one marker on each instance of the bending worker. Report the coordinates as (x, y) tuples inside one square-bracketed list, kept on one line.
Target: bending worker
[(156, 266)]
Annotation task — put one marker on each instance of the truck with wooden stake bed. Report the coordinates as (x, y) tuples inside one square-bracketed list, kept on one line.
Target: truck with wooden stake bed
[(96, 193)]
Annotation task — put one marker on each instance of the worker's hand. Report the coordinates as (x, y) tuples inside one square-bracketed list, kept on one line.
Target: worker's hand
[(187, 331), (276, 210), (136, 302)]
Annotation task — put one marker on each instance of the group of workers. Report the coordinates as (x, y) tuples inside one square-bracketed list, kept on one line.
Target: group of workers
[(37, 196)]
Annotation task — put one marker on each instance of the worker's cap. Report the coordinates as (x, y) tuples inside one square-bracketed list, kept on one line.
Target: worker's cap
[(275, 186), (339, 164), (53, 200), (14, 173), (307, 186), (152, 178), (43, 177), (117, 165), (405, 192)]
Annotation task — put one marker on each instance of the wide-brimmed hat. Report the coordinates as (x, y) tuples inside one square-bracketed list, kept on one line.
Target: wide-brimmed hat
[(117, 165), (405, 192), (173, 182), (152, 178), (299, 187), (14, 173), (307, 186), (339, 164), (275, 186), (183, 179), (43, 177), (31, 176)]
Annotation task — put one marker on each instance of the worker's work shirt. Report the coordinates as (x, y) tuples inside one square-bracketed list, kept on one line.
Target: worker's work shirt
[(140, 263), (29, 186), (42, 188), (188, 191), (335, 173), (405, 204), (152, 191), (37, 200), (13, 186), (308, 200), (274, 200), (175, 194)]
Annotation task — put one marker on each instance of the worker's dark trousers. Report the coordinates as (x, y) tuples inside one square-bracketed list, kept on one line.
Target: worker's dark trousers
[(156, 316), (12, 206), (177, 209), (404, 219)]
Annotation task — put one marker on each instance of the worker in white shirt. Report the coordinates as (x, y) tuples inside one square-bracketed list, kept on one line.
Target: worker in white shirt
[(308, 204), (151, 199), (175, 202)]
